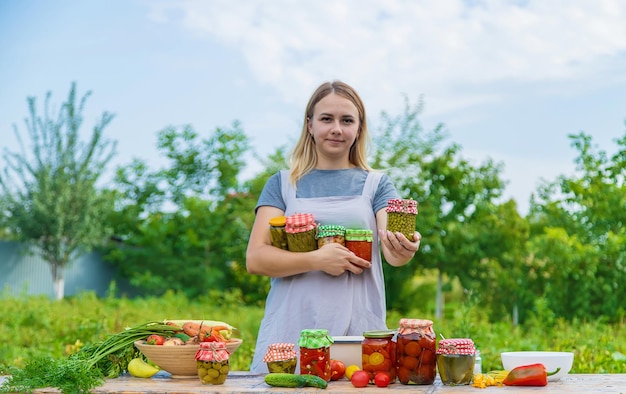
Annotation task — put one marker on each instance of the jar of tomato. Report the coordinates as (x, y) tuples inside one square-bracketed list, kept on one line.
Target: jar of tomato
[(281, 357), (359, 241), (301, 232), (416, 352), (379, 354), (330, 233), (315, 353)]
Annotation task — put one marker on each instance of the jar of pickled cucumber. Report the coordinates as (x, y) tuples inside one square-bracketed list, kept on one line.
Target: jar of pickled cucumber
[(330, 233), (315, 353), (416, 352), (359, 241), (378, 351), (301, 232), (278, 235), (213, 362), (455, 361), (281, 357), (401, 215)]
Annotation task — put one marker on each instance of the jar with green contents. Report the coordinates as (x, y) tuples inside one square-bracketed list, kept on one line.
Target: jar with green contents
[(455, 361), (359, 241), (281, 358), (401, 215), (330, 233), (278, 235), (301, 232), (213, 362)]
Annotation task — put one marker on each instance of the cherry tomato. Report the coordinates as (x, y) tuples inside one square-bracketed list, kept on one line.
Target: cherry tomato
[(360, 379), (337, 369), (155, 339), (382, 379)]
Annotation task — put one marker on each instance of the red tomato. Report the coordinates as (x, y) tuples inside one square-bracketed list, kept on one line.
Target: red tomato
[(337, 369), (360, 379), (155, 339), (382, 379)]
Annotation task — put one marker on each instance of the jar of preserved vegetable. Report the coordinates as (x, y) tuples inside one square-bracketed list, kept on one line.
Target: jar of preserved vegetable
[(401, 215), (359, 241), (330, 233), (278, 235), (281, 357), (455, 361), (301, 232), (213, 362), (416, 352), (315, 353), (379, 354)]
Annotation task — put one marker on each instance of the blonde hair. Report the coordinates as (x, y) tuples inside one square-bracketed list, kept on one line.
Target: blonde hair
[(303, 158)]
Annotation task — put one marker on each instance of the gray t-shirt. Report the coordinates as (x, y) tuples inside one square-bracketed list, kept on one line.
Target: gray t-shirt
[(328, 183)]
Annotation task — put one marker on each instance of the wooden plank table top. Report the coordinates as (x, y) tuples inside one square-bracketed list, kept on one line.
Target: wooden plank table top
[(245, 382)]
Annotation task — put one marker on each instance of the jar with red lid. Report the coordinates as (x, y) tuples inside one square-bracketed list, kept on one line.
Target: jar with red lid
[(315, 353), (301, 232), (455, 361), (281, 357), (330, 233), (401, 215), (379, 354), (359, 241), (416, 352), (212, 362)]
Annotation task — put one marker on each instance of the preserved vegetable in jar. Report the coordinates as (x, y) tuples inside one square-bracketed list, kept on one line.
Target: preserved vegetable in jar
[(278, 235), (359, 241), (315, 353), (330, 233), (212, 362), (401, 215), (455, 361), (416, 352), (379, 354), (301, 231), (281, 357)]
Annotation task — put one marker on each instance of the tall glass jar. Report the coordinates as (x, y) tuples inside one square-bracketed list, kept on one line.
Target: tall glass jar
[(301, 232), (455, 361), (281, 357), (213, 362), (278, 235), (416, 352), (401, 215), (379, 354), (315, 353), (359, 241), (330, 233)]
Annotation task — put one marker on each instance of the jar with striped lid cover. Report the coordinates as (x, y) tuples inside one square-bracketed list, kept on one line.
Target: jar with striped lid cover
[(301, 232), (315, 353), (416, 352), (359, 241), (401, 216), (213, 362), (455, 361), (281, 357), (330, 233)]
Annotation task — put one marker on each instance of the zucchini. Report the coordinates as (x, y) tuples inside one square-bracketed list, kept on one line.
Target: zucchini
[(281, 379)]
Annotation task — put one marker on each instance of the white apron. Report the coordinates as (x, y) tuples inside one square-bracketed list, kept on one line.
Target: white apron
[(347, 304)]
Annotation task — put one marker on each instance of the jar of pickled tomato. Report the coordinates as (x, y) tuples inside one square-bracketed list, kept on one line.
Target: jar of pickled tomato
[(315, 353), (379, 354), (359, 241), (416, 352)]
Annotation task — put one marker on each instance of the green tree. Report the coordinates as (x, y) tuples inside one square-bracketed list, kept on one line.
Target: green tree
[(51, 200)]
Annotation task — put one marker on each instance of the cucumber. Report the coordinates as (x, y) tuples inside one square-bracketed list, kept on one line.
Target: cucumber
[(280, 379), (315, 381)]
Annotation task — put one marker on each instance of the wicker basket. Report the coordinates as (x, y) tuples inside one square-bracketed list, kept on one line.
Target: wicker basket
[(180, 361)]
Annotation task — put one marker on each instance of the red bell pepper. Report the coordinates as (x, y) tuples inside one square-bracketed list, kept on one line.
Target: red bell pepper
[(529, 375)]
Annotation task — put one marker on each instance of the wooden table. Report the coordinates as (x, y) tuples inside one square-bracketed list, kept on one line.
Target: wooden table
[(245, 382)]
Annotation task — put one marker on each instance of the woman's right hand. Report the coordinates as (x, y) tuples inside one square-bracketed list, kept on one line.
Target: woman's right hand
[(335, 259)]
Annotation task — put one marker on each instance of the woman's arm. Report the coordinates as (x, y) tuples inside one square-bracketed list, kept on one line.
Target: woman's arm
[(262, 258), (397, 249)]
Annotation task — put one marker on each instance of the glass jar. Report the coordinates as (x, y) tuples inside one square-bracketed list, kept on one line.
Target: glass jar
[(416, 352), (281, 357), (213, 362), (359, 241), (379, 354), (455, 361), (301, 232), (401, 215), (278, 235), (330, 233), (315, 353)]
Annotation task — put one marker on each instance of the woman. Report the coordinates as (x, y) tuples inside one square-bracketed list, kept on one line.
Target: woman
[(330, 287)]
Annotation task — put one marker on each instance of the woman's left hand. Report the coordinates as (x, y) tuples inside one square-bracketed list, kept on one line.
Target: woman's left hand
[(399, 249)]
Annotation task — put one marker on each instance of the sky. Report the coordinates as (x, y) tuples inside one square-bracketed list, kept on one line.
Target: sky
[(508, 79)]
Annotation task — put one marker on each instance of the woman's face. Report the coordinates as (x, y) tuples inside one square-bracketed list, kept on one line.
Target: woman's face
[(334, 126)]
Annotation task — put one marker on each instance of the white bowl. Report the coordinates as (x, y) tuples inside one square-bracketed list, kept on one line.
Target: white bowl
[(347, 349), (551, 360)]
